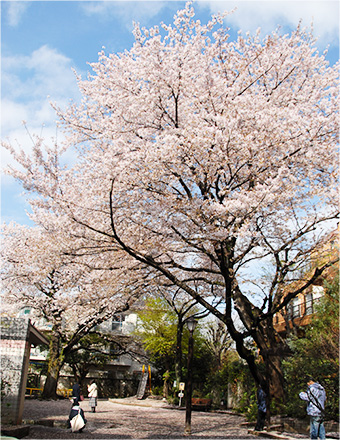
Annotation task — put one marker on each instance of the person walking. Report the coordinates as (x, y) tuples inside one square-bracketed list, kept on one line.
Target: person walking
[(76, 391), (93, 394), (316, 398), (261, 409)]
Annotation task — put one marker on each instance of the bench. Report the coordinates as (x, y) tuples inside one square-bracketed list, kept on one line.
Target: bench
[(199, 403)]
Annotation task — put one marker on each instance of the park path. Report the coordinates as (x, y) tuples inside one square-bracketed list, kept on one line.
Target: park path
[(132, 419)]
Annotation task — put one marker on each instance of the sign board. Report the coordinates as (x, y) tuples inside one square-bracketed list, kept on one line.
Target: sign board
[(180, 394), (181, 386)]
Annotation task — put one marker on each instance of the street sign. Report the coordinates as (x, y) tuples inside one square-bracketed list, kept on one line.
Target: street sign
[(180, 394), (181, 386)]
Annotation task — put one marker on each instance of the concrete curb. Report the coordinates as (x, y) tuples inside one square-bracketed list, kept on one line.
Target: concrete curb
[(268, 434), (15, 431)]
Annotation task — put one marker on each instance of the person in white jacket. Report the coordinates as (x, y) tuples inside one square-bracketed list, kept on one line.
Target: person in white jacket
[(93, 394), (316, 398)]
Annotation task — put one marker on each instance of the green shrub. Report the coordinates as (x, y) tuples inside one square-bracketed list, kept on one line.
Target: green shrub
[(316, 354)]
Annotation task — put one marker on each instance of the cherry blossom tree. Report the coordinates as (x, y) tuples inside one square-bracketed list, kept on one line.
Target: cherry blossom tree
[(70, 297), (204, 160)]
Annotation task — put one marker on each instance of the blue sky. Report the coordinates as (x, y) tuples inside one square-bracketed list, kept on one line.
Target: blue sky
[(42, 41)]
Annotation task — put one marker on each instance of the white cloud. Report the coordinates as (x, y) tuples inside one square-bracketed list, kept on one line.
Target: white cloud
[(15, 10), (249, 16), (127, 11), (44, 72), (29, 83), (268, 15)]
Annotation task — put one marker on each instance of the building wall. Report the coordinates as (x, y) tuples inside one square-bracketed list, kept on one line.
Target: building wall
[(300, 310), (15, 353)]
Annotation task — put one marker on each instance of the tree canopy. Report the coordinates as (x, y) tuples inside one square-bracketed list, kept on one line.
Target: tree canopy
[(70, 296), (157, 330)]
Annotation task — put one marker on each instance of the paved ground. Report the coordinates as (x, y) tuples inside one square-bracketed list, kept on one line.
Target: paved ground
[(134, 419)]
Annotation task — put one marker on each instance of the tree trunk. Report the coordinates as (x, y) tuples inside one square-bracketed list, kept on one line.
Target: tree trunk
[(54, 366), (272, 358), (50, 387), (261, 330), (274, 377), (271, 379)]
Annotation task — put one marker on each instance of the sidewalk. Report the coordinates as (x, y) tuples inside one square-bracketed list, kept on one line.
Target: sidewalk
[(137, 419)]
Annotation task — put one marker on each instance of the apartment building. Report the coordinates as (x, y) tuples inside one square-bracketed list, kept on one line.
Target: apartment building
[(300, 310)]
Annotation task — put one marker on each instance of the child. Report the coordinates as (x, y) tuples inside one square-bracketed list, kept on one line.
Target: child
[(75, 410)]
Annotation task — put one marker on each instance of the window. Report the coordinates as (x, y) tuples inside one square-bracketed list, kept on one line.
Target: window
[(293, 308), (296, 307), (317, 292), (117, 322), (309, 303), (313, 298)]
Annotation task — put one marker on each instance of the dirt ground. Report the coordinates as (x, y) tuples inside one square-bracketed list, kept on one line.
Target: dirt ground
[(133, 419)]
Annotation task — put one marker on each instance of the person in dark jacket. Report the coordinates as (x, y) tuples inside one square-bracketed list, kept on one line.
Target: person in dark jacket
[(76, 392), (316, 398), (74, 411), (261, 409)]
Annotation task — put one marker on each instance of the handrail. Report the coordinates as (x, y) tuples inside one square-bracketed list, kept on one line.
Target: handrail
[(33, 389), (64, 392)]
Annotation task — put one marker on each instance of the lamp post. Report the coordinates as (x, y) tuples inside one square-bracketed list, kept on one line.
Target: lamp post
[(191, 323)]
